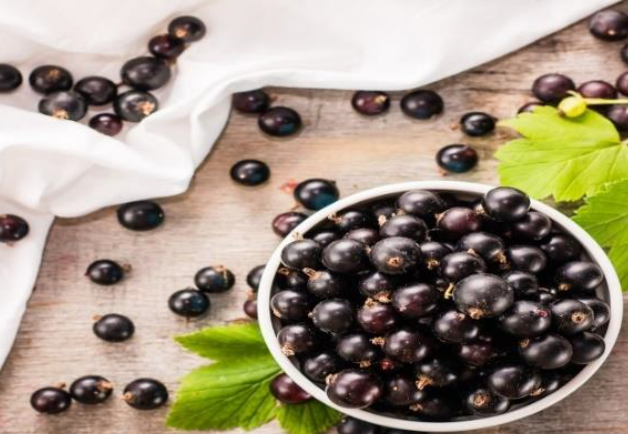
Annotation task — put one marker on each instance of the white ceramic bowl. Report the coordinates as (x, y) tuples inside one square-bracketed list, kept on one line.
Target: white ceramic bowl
[(611, 292)]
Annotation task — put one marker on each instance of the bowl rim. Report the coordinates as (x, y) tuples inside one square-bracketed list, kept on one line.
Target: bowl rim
[(592, 248)]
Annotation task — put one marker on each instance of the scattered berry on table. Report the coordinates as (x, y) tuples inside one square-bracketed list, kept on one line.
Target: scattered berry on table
[(477, 123), (422, 104), (252, 101), (10, 78), (96, 90), (113, 327), (68, 105), (142, 215), (254, 277), (609, 25), (51, 400), (189, 303), (12, 228), (250, 172), (135, 105), (145, 394), (316, 193), (552, 88), (91, 389), (597, 89), (105, 272), (279, 121), (108, 124), (250, 308), (370, 103), (50, 78), (457, 158), (529, 107), (187, 28), (166, 46), (145, 73), (214, 279)]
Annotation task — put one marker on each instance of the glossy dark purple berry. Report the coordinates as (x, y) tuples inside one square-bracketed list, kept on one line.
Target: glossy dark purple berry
[(438, 406), (370, 103), (345, 256), (135, 105), (458, 221), (526, 258), (285, 222), (166, 46), (618, 115), (142, 215), (280, 121), (333, 316), (324, 284), (477, 123), (297, 339), (114, 328), (478, 353), (254, 277), (552, 88), (301, 254), (551, 381), (422, 104), (51, 400), (622, 83), (108, 124), (421, 203), (458, 265), (415, 300), (597, 89), (91, 389), (483, 295), (561, 248), (325, 237), (401, 391), (457, 158), (529, 107), (357, 348), (105, 272), (455, 327), (315, 194), (250, 172), (291, 279), (187, 28), (579, 276), (375, 317), (319, 366), (433, 253), (395, 255), (407, 226), (526, 319), (12, 228), (145, 73), (609, 25), (601, 311), (383, 208), (352, 219), (64, 105), (252, 101), (483, 402), (524, 284), (546, 296), (349, 425), (250, 308), (571, 317), (96, 90), (50, 78), (408, 345), (378, 286), (437, 372), (514, 381), (10, 78), (533, 226), (353, 388), (189, 303), (587, 348), (145, 394), (624, 53), (214, 280), (287, 391), (506, 204), (488, 246), (550, 351), (365, 236)]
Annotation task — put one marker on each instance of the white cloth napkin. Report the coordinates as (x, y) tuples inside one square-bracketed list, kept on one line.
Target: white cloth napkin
[(50, 167)]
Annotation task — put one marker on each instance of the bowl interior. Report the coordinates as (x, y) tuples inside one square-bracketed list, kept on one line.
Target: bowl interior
[(610, 292)]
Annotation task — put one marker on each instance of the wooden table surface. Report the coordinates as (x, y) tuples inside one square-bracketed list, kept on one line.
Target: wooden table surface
[(218, 222)]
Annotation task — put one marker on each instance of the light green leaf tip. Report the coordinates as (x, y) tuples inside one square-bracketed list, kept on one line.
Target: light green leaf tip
[(311, 417)]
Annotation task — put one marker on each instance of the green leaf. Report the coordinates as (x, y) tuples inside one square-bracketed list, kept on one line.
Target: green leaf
[(311, 417), (562, 157), (225, 395), (619, 257), (226, 342), (605, 215)]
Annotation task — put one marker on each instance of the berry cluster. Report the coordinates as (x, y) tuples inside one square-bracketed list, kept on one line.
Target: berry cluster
[(275, 121), (64, 99), (434, 306)]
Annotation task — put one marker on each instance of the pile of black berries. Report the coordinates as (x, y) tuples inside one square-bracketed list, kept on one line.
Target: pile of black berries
[(443, 307)]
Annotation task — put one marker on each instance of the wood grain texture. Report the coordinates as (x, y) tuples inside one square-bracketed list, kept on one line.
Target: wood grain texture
[(217, 222)]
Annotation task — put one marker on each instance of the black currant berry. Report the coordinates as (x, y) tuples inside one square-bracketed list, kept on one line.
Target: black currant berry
[(297, 339), (571, 317), (187, 28), (526, 319), (280, 121), (285, 222), (349, 425), (458, 221), (395, 255), (533, 226), (12, 228), (433, 253), (478, 353), (436, 406), (250, 172), (142, 215), (579, 276), (324, 284), (514, 381), (91, 389), (587, 347), (378, 286), (214, 279), (145, 73), (416, 300), (422, 104), (383, 208), (365, 236), (489, 247), (421, 203), (10, 78), (455, 327), (545, 296), (254, 277), (622, 83), (106, 123), (618, 114), (345, 256), (291, 279), (318, 367), (189, 303), (550, 382), (301, 254), (105, 272), (458, 265), (357, 348), (529, 107), (250, 308), (609, 25), (370, 103), (552, 88), (315, 194), (506, 204), (51, 400), (407, 345), (135, 105), (287, 391), (597, 89), (96, 90), (145, 394), (457, 158), (252, 101), (333, 316), (550, 351), (407, 226), (526, 258), (50, 78), (166, 47), (601, 311), (64, 105), (351, 220), (437, 372), (482, 401), (353, 388), (561, 248), (113, 328), (376, 318), (401, 391), (483, 295), (325, 237), (477, 123), (624, 53)]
